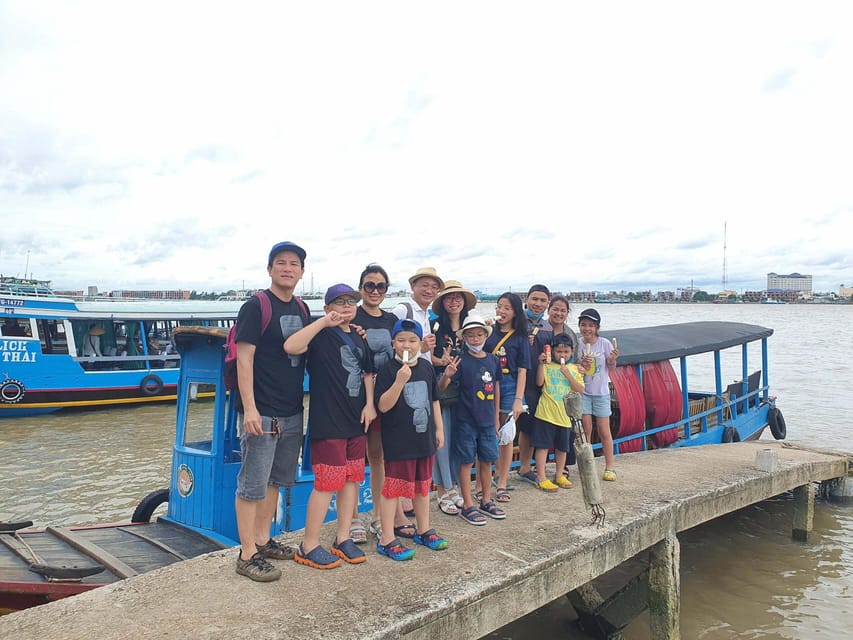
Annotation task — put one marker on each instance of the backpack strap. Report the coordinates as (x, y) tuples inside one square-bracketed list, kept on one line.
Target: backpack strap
[(266, 309), (410, 313), (306, 314)]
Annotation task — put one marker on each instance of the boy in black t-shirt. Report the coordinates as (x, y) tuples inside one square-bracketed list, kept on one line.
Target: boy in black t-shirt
[(407, 397), (339, 411)]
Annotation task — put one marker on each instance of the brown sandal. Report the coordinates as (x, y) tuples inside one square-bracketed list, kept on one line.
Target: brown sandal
[(502, 495)]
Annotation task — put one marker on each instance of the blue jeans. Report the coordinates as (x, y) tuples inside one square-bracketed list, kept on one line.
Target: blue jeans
[(445, 470)]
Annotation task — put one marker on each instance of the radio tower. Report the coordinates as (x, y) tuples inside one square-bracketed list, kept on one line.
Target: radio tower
[(725, 268)]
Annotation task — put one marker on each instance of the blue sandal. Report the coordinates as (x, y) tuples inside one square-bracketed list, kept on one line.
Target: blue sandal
[(317, 558), (472, 515), (395, 550), (431, 540), (348, 552), (492, 510)]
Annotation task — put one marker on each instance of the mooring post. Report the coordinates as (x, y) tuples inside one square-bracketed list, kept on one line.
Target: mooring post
[(803, 512), (665, 589)]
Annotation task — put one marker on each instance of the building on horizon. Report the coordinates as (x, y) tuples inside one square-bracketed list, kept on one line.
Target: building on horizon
[(172, 294), (799, 283)]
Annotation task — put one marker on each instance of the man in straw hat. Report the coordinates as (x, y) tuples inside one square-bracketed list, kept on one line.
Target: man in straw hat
[(425, 285), (92, 341)]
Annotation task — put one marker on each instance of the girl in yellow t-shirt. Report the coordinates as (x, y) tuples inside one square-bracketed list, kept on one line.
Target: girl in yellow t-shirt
[(557, 376)]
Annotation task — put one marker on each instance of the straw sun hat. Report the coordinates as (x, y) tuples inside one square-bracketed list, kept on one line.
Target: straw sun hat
[(454, 286), (426, 272)]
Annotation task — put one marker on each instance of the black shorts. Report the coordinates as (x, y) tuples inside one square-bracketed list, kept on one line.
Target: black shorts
[(546, 435)]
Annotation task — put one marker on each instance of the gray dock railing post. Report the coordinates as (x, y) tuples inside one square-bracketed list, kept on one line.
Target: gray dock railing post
[(665, 589), (803, 512)]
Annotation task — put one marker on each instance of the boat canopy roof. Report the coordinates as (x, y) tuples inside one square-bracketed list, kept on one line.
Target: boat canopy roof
[(665, 342)]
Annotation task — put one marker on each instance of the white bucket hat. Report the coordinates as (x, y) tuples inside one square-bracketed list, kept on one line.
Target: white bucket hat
[(473, 320)]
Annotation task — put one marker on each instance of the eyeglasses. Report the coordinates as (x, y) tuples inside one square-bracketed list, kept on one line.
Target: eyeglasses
[(343, 302), (370, 287), (275, 429)]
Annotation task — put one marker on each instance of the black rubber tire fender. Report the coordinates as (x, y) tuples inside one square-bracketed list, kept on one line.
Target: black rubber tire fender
[(776, 422), (151, 385), (145, 509)]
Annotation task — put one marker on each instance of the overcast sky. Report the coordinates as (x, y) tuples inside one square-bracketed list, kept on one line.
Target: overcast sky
[(586, 145)]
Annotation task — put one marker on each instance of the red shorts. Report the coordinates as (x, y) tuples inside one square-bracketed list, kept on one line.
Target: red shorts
[(337, 461), (405, 478)]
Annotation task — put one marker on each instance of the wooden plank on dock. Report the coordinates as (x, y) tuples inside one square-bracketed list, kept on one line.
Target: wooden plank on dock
[(95, 552)]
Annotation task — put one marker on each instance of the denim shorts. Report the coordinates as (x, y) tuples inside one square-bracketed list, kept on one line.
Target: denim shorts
[(508, 388), (268, 459), (598, 406), (472, 444)]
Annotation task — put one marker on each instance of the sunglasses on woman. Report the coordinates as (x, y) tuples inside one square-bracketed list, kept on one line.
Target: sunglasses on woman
[(370, 287)]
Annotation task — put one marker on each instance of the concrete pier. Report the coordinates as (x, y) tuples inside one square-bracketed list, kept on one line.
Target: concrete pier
[(488, 576)]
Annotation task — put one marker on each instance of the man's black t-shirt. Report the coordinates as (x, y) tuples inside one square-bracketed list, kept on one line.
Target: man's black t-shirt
[(278, 377)]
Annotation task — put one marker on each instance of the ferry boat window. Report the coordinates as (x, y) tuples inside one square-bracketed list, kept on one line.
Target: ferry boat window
[(52, 336), (198, 431), (16, 327)]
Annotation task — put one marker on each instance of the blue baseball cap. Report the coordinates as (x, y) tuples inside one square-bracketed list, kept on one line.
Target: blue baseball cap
[(339, 291), (286, 246), (408, 325)]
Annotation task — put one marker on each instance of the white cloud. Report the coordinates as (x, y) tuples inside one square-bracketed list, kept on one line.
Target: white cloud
[(587, 146)]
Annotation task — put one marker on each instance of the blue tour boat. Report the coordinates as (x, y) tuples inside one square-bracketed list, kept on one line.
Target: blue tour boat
[(59, 353)]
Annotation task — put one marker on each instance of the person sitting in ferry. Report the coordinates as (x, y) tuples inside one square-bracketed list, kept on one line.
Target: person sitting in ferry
[(92, 343)]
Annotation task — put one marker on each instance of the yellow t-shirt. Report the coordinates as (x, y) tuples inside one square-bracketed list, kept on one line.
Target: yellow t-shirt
[(550, 407)]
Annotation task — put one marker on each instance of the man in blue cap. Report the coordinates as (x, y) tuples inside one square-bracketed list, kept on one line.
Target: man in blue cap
[(269, 409)]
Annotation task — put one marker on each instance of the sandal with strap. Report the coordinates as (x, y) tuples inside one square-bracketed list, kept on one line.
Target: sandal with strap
[(446, 504), (502, 495), (405, 531), (357, 531), (376, 527), (472, 515), (492, 510), (453, 494)]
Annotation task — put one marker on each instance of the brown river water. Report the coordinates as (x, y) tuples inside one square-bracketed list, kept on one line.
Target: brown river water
[(742, 576)]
